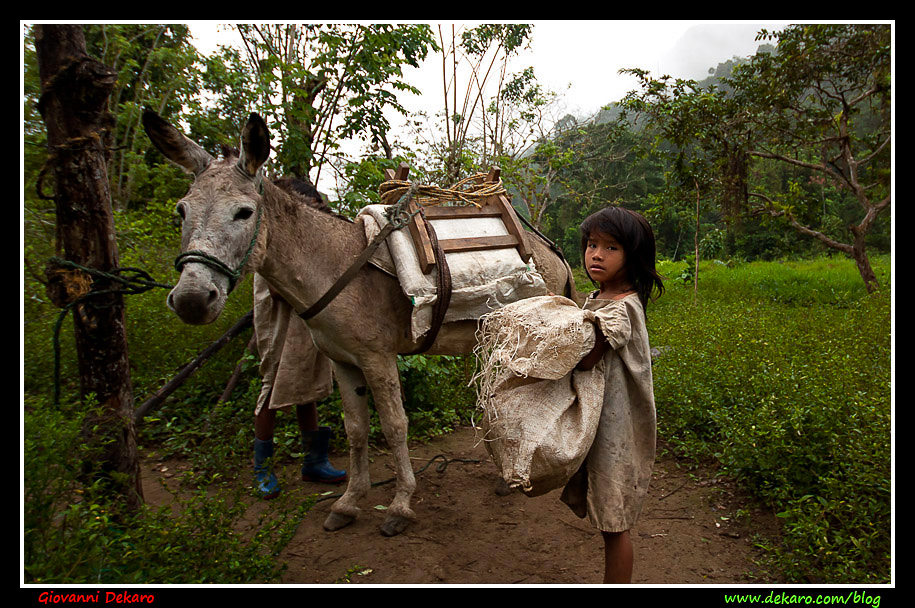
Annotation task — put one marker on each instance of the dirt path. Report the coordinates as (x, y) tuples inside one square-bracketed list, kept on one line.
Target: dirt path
[(467, 534)]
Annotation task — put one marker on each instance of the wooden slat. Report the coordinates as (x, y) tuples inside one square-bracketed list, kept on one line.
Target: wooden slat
[(422, 240), (439, 212), (478, 243), (514, 227), (494, 206), (509, 218), (400, 175), (417, 226)]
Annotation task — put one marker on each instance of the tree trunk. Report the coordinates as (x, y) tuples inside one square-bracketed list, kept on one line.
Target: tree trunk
[(73, 104), (696, 245), (859, 252)]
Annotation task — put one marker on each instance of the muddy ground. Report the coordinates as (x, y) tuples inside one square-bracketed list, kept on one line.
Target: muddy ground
[(695, 529)]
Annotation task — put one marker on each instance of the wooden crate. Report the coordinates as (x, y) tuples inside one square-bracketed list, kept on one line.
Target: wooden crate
[(493, 206)]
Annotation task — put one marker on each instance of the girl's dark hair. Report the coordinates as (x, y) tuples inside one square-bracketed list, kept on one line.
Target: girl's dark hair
[(634, 233)]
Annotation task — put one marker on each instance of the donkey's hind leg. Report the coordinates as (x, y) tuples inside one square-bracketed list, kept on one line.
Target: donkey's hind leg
[(384, 380), (354, 394)]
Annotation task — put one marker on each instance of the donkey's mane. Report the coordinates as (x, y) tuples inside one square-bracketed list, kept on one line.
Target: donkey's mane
[(300, 189)]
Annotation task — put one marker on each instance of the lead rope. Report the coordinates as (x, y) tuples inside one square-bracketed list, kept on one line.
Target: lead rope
[(439, 469), (136, 281)]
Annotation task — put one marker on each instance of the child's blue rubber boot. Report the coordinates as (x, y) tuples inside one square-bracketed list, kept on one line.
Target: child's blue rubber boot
[(265, 482), (317, 467)]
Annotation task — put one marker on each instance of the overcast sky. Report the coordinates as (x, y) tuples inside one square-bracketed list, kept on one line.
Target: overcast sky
[(589, 54), (581, 59)]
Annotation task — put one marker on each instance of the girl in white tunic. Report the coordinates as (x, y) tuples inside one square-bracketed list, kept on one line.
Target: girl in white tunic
[(619, 255)]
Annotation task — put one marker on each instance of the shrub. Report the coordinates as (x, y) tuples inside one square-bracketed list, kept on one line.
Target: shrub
[(781, 372), (76, 533)]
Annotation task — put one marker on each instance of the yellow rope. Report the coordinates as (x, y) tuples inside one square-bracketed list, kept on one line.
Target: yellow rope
[(468, 191)]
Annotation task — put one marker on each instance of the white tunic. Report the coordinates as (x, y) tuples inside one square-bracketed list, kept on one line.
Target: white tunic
[(611, 485), (292, 368)]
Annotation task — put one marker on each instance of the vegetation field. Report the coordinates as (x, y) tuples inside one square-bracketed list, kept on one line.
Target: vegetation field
[(776, 367), (781, 372), (778, 371)]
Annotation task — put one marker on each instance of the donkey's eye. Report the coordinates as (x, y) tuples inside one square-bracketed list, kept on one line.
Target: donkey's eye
[(243, 213)]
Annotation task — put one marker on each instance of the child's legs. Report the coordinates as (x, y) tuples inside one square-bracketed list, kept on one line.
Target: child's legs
[(265, 420), (307, 416), (617, 557)]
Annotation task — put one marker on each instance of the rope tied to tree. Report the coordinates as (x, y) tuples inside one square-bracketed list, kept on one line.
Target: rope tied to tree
[(71, 284)]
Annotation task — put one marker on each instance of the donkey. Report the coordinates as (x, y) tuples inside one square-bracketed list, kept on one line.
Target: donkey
[(235, 221)]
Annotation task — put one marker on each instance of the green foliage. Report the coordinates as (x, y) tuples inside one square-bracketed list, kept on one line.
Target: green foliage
[(712, 244), (765, 140), (363, 178), (74, 533), (326, 83), (438, 394), (781, 372), (156, 66), (688, 273)]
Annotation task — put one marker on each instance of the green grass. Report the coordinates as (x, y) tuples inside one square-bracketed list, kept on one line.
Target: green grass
[(781, 372)]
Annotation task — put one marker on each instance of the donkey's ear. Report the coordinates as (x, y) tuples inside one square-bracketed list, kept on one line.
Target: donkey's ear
[(173, 144), (255, 145)]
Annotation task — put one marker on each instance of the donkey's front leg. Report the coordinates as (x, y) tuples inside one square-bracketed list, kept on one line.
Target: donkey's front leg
[(384, 380), (354, 394)]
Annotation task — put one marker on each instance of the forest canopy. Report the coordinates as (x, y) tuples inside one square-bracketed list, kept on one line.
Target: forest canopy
[(788, 151)]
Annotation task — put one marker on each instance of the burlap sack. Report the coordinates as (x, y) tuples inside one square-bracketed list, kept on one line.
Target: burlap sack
[(539, 415)]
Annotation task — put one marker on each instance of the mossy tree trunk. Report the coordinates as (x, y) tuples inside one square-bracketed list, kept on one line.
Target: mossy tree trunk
[(74, 105)]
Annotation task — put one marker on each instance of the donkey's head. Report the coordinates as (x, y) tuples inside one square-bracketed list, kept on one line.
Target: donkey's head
[(221, 216)]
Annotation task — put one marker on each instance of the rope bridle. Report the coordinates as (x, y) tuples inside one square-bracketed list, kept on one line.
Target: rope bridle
[(202, 257)]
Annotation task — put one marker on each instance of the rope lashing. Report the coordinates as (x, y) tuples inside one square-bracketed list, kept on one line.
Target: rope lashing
[(78, 289), (468, 191), (202, 257)]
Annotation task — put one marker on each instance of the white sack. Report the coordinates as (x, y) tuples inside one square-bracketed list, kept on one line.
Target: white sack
[(481, 280)]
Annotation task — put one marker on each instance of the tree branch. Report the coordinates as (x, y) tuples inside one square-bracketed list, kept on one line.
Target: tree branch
[(771, 208)]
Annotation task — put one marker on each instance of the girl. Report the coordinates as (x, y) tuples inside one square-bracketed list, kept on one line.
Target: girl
[(619, 254)]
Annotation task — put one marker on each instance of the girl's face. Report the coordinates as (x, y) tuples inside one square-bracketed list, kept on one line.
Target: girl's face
[(605, 262)]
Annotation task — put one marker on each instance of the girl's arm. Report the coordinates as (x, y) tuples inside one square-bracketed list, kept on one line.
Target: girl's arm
[(596, 354)]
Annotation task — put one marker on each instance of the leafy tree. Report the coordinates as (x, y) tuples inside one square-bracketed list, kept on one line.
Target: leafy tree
[(228, 91), (524, 142), (483, 48), (156, 67), (821, 105), (325, 83), (786, 123), (603, 167)]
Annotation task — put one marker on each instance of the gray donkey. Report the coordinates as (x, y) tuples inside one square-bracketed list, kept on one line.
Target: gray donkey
[(235, 222)]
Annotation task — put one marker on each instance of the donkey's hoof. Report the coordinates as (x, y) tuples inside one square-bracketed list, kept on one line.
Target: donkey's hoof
[(394, 525), (335, 521), (502, 487)]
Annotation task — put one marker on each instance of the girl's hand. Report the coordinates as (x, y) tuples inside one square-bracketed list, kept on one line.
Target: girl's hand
[(596, 354)]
